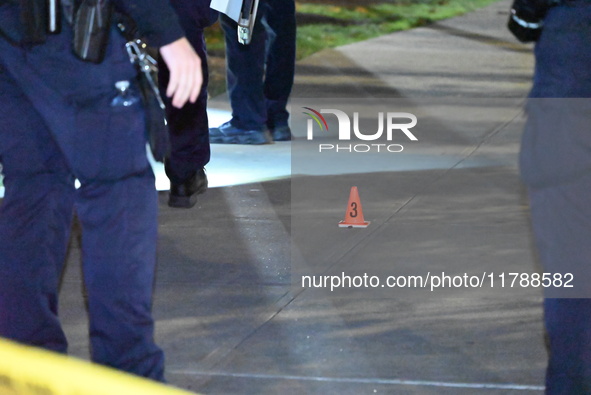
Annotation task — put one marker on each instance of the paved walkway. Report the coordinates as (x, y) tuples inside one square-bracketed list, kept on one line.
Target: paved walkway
[(230, 319)]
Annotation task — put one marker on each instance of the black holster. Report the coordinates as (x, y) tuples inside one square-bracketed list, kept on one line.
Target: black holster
[(28, 22), (92, 26), (34, 21)]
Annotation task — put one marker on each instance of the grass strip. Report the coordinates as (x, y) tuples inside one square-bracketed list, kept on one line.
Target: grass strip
[(332, 23)]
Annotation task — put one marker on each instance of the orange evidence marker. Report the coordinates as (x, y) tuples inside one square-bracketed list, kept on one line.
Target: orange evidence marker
[(354, 213)]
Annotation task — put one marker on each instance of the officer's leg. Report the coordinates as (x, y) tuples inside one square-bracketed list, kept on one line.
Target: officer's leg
[(117, 208), (35, 218), (119, 231), (279, 20), (561, 220), (188, 126), (245, 65), (568, 328)]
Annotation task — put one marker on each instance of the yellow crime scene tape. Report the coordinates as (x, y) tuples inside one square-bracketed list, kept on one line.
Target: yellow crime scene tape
[(28, 370)]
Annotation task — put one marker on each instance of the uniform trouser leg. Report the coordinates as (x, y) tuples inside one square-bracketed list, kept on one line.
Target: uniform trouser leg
[(30, 276), (561, 219), (188, 126), (35, 218), (118, 265), (280, 24), (568, 330), (245, 67)]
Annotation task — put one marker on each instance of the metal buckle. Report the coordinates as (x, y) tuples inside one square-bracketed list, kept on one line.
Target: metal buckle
[(138, 55)]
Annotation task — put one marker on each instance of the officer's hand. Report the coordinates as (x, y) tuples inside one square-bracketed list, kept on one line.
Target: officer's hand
[(185, 72)]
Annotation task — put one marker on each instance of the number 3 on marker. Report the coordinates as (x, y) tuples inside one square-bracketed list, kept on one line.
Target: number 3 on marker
[(353, 213)]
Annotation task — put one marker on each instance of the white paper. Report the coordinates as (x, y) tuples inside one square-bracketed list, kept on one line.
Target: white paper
[(229, 7)]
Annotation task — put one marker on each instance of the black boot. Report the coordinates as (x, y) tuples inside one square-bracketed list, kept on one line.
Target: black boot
[(184, 195)]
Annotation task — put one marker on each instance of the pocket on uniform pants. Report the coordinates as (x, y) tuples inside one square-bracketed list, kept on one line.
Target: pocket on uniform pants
[(110, 142)]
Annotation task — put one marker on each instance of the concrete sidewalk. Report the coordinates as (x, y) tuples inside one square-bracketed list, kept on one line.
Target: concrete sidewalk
[(228, 316)]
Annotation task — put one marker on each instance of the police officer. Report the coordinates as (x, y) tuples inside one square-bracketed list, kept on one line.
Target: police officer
[(58, 124), (555, 163), (260, 76), (188, 126)]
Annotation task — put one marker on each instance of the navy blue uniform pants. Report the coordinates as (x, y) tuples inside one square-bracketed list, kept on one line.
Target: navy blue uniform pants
[(57, 125), (260, 75), (561, 218), (556, 166), (188, 126)]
